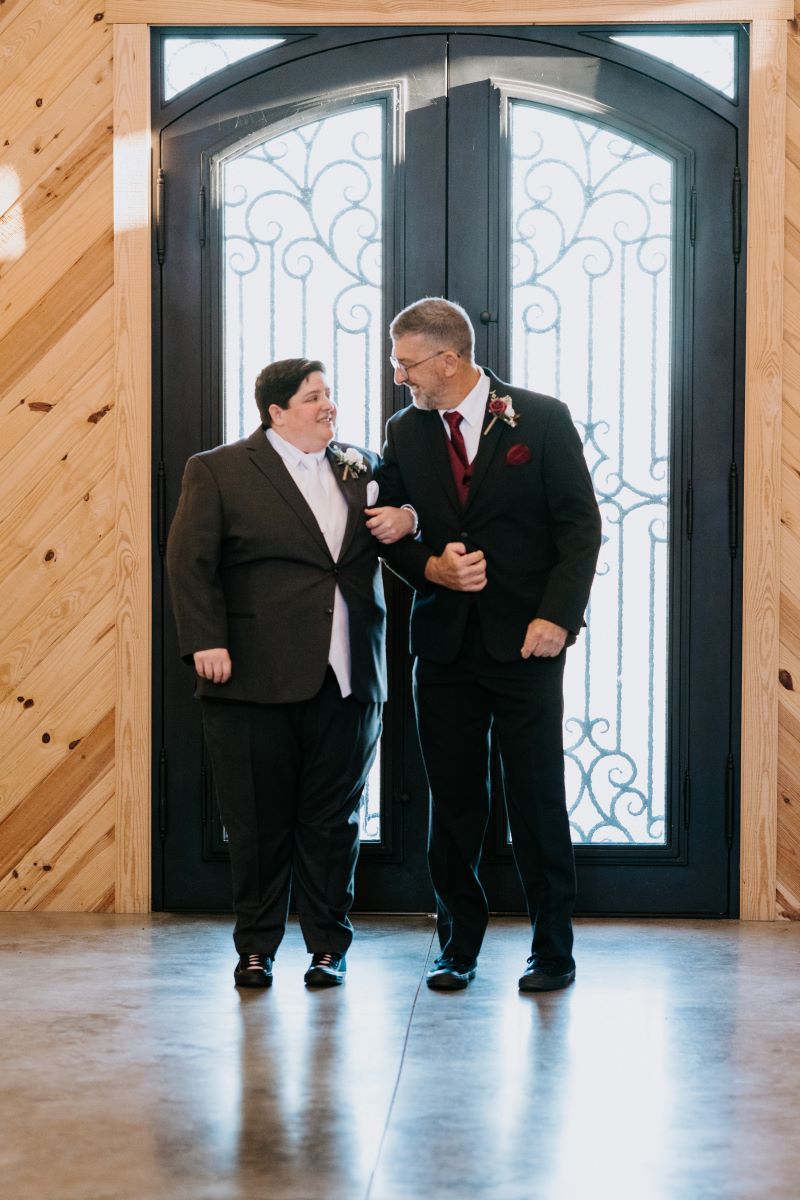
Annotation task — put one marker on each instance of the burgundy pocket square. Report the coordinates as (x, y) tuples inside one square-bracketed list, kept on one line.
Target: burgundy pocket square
[(518, 455)]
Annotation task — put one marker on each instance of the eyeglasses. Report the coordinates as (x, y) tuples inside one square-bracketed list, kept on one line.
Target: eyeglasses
[(406, 367)]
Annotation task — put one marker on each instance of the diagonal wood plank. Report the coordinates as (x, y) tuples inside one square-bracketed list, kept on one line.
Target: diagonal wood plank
[(56, 376), (53, 317), (56, 247), (52, 132), (43, 200), (41, 577), (29, 760), (56, 794), (55, 496), (55, 617), (61, 869), (26, 30), (56, 65), (59, 433)]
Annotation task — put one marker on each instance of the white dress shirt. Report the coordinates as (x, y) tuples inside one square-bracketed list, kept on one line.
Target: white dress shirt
[(314, 477), (472, 409)]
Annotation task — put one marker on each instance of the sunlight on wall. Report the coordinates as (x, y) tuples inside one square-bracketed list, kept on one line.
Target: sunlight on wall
[(12, 218), (131, 182)]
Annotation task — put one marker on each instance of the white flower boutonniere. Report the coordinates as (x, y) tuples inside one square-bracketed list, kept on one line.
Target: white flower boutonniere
[(350, 459), (501, 409)]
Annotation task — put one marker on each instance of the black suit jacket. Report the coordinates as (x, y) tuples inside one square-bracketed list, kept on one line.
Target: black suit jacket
[(250, 570), (537, 522)]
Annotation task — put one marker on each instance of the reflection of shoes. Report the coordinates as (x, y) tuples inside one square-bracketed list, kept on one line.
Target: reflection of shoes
[(451, 974), (253, 970), (546, 974), (326, 970)]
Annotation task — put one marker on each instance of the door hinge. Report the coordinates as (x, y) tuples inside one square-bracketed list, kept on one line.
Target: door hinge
[(689, 509), (160, 215), (730, 793), (687, 798), (692, 214), (733, 510), (161, 508), (162, 793), (736, 207), (203, 217)]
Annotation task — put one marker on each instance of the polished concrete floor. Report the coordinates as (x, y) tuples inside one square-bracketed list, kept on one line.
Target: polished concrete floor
[(132, 1068)]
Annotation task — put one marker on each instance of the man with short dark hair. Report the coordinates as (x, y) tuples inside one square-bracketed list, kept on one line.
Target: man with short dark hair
[(279, 606), (510, 532)]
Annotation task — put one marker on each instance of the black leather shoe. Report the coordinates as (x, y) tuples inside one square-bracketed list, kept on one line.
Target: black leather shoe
[(253, 970), (451, 974), (326, 970), (546, 974)]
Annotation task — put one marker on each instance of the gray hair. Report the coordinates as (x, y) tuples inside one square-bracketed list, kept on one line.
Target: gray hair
[(440, 321)]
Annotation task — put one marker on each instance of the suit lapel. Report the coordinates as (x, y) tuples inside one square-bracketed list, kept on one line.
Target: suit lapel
[(270, 463), (487, 446), (354, 491)]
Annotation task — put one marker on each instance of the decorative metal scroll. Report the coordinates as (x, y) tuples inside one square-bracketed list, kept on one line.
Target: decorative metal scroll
[(711, 58), (188, 60), (592, 216), (302, 251)]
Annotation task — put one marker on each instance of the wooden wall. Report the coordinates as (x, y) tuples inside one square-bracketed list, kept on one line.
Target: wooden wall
[(788, 858), (57, 432), (58, 422)]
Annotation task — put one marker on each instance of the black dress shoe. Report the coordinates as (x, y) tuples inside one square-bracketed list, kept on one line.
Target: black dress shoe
[(326, 970), (451, 974), (546, 974), (253, 970)]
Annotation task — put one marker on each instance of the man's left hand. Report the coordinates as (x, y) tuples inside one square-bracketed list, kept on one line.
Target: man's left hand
[(543, 639), (390, 524)]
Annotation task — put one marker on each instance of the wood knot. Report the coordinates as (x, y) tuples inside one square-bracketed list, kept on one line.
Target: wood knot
[(75, 743), (46, 867), (99, 16), (39, 102), (21, 699), (94, 417), (785, 680), (49, 556), (45, 738), (39, 406), (28, 704)]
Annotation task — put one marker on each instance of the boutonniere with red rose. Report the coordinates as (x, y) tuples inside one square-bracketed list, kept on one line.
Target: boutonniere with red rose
[(517, 455), (501, 409), (350, 459)]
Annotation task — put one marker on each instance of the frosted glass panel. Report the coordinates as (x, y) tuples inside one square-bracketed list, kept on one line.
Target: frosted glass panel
[(303, 273), (592, 217), (188, 60), (711, 58)]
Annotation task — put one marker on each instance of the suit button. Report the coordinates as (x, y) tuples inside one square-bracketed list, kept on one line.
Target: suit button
[(328, 612), (336, 570)]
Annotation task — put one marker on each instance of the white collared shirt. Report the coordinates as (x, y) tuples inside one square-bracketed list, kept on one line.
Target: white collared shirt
[(314, 477), (472, 409)]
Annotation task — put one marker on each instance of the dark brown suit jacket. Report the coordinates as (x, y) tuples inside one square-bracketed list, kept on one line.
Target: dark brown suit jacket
[(250, 570)]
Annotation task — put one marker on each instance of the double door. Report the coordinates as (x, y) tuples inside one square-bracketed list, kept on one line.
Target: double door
[(587, 215)]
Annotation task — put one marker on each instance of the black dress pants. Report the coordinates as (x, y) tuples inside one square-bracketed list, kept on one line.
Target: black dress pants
[(522, 702), (289, 780)]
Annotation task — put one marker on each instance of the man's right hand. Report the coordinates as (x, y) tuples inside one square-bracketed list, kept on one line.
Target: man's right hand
[(213, 664), (454, 568)]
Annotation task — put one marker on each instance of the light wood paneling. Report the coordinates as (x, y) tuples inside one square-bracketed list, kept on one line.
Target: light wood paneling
[(132, 317), (56, 458), (462, 12), (762, 468), (788, 790)]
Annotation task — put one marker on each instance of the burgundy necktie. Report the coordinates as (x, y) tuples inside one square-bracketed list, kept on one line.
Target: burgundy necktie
[(459, 462)]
